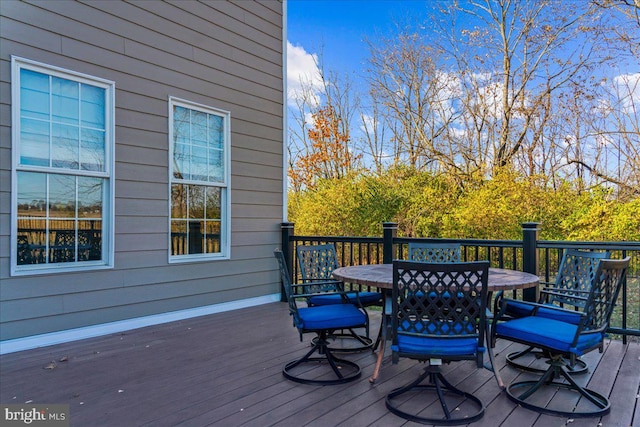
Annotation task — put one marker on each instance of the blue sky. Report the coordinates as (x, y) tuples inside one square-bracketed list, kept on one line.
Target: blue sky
[(339, 27), (337, 30)]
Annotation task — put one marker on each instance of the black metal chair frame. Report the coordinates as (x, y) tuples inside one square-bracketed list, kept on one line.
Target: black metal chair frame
[(438, 303), (599, 302), (343, 370), (317, 263), (576, 271)]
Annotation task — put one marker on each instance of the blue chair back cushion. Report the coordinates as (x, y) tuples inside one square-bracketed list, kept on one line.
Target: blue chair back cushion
[(522, 309), (549, 333), (365, 298), (336, 316), (438, 347), (428, 344)]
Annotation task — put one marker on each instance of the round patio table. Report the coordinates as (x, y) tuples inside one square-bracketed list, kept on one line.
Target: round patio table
[(381, 276)]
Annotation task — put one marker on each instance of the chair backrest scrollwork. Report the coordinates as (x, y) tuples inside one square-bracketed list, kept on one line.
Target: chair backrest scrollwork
[(440, 301), (575, 274), (317, 262), (434, 252)]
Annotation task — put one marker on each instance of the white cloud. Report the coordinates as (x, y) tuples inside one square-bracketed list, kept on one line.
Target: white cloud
[(628, 88), (302, 71)]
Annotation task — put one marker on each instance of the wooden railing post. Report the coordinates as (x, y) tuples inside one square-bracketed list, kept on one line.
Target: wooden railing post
[(389, 232), (530, 257), (287, 229)]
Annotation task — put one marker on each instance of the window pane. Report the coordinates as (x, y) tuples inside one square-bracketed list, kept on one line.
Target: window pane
[(213, 203), (32, 214), (181, 169), (63, 248), (198, 128), (32, 241), (196, 201), (90, 191), (34, 142), (216, 166), (89, 240), (212, 237), (178, 201), (62, 196), (93, 107), (65, 145), (34, 95), (196, 237), (198, 163), (92, 155), (181, 144), (216, 132), (64, 101), (178, 237), (32, 194), (181, 123)]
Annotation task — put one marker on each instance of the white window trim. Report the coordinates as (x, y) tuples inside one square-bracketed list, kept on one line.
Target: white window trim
[(225, 232), (108, 219)]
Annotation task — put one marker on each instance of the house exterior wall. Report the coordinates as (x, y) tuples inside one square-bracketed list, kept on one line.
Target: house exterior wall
[(223, 54)]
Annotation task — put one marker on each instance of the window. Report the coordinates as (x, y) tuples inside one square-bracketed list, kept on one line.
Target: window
[(199, 180), (62, 152)]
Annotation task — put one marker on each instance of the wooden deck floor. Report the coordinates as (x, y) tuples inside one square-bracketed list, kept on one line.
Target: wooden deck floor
[(225, 370)]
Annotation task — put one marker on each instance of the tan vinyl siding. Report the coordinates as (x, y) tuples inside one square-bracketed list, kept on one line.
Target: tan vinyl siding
[(222, 54)]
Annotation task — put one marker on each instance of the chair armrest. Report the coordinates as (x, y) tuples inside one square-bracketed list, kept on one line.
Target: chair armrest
[(536, 306), (576, 294), (344, 297), (320, 285)]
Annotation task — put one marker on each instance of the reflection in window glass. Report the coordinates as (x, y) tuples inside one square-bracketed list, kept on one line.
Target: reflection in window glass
[(198, 180), (34, 142), (195, 219), (34, 95), (77, 120), (59, 218), (63, 131), (64, 100)]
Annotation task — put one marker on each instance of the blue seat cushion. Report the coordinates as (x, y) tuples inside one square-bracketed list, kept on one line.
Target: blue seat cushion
[(336, 316), (519, 309), (366, 298), (548, 333)]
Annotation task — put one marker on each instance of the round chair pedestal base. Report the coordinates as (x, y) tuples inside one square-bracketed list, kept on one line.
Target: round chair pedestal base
[(345, 371), (598, 401), (513, 359), (341, 371), (463, 403)]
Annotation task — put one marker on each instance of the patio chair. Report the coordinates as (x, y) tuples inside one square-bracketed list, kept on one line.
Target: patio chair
[(434, 252), (565, 339), (317, 263), (576, 272), (319, 320), (438, 316)]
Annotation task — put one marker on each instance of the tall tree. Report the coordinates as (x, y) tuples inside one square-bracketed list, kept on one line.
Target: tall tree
[(320, 145)]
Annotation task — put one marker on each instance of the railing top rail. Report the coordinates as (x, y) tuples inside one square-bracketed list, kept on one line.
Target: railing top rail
[(542, 244), (463, 242), (562, 244), (337, 239)]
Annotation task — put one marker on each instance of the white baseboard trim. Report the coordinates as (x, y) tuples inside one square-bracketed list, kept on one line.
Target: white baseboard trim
[(52, 338)]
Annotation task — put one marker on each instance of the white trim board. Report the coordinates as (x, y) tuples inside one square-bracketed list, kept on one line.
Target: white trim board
[(52, 338)]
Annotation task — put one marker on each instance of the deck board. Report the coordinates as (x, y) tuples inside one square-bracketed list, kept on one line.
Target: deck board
[(225, 370)]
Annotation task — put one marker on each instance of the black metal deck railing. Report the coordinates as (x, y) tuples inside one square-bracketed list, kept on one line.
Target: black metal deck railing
[(541, 257)]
